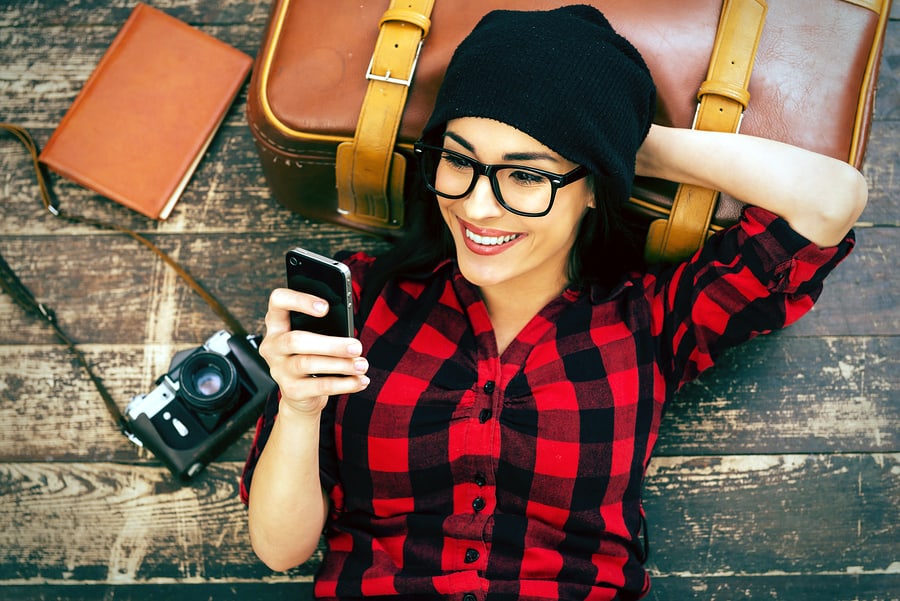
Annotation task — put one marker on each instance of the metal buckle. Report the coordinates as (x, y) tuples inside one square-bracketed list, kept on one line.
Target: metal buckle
[(387, 76)]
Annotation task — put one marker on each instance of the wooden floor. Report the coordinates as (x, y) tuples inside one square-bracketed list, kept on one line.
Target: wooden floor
[(777, 474)]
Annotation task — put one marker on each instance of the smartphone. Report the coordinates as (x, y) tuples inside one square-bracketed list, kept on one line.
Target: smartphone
[(329, 280)]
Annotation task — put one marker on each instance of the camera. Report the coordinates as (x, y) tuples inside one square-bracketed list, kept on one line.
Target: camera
[(205, 401)]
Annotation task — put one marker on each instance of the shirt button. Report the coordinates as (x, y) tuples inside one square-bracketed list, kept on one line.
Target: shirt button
[(480, 480), (489, 387), (472, 555), (478, 504), (484, 415), (469, 597)]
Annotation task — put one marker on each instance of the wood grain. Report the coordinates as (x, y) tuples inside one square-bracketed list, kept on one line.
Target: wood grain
[(758, 400), (757, 516), (106, 288)]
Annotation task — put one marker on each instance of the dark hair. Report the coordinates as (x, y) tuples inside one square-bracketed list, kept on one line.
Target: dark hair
[(606, 248)]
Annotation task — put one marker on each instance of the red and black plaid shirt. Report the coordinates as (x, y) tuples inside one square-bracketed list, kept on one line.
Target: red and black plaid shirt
[(467, 475)]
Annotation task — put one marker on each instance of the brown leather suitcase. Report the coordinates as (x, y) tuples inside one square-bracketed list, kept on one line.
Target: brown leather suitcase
[(812, 85)]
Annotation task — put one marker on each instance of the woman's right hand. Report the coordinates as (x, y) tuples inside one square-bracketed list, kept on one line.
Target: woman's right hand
[(296, 358), (288, 507)]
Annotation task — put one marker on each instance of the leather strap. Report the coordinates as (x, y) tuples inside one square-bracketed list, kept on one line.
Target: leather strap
[(13, 286), (722, 100), (370, 175)]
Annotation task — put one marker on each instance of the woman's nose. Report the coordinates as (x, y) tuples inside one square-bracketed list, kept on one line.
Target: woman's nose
[(481, 203)]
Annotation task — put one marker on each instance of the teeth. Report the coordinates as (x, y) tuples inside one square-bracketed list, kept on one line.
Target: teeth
[(490, 240)]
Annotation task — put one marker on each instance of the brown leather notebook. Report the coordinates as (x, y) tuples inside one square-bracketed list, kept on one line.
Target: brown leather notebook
[(146, 115)]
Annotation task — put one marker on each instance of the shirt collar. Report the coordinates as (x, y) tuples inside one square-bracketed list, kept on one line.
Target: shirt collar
[(597, 293)]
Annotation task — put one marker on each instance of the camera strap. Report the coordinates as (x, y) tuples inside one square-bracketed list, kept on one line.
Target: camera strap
[(22, 296)]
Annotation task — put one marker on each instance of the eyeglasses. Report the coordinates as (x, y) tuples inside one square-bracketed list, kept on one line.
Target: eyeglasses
[(521, 190)]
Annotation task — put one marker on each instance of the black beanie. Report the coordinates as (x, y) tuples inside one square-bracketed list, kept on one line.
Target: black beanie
[(564, 77)]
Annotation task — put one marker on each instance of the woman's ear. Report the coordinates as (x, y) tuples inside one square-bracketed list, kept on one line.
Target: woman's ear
[(592, 191)]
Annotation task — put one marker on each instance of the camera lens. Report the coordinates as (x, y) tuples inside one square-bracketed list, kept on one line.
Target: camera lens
[(208, 382)]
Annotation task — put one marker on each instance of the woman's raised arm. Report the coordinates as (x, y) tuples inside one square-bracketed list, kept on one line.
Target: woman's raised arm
[(819, 196)]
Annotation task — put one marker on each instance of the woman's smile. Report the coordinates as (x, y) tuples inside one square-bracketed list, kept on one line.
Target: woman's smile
[(488, 242)]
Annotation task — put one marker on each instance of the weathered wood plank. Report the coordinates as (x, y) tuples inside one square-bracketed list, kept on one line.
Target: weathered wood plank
[(725, 588), (106, 288), (887, 104), (102, 13), (774, 514), (881, 168), (53, 60), (777, 587), (98, 522), (711, 517), (797, 395), (791, 395), (238, 591)]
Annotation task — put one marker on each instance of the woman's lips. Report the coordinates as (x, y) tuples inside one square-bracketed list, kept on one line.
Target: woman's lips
[(487, 242)]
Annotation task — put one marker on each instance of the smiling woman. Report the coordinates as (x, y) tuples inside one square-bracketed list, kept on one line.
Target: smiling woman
[(497, 410), (506, 254)]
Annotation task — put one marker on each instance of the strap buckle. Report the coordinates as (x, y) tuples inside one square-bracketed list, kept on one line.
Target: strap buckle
[(387, 76)]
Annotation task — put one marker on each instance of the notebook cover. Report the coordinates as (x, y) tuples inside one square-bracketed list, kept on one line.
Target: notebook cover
[(143, 120)]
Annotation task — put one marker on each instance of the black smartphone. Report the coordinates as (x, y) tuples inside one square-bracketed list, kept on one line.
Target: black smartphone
[(329, 280)]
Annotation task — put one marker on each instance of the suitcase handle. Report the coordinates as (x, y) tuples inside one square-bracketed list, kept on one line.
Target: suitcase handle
[(370, 175), (722, 100)]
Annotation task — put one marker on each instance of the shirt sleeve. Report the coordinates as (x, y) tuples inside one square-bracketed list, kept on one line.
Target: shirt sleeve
[(263, 428), (327, 456), (358, 264), (755, 277)]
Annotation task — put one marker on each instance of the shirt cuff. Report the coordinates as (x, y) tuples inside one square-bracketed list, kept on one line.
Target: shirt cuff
[(785, 261)]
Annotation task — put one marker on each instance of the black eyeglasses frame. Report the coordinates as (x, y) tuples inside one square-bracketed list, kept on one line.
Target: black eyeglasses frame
[(556, 180)]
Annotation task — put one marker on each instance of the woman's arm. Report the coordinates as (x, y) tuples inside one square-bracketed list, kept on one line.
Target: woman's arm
[(819, 196), (288, 507)]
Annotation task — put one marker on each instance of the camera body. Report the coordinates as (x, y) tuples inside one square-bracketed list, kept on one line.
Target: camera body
[(205, 401)]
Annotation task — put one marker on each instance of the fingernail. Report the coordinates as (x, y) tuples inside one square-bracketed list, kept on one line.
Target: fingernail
[(361, 365), (363, 381), (354, 348), (320, 307)]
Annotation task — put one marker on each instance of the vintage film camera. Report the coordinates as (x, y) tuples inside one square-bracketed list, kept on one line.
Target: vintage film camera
[(207, 399)]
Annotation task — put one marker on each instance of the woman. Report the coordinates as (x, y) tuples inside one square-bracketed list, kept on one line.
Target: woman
[(490, 433)]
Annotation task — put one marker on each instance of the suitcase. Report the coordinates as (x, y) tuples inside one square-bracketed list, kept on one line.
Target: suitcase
[(814, 70)]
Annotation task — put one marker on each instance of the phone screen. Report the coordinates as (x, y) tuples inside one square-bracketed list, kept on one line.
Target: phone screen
[(329, 280)]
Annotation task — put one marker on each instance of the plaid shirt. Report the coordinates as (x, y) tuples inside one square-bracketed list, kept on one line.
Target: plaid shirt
[(468, 475)]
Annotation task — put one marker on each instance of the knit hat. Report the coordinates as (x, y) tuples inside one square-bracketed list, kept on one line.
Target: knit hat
[(562, 76)]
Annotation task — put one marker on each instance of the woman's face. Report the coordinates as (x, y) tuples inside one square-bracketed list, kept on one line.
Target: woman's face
[(497, 250)]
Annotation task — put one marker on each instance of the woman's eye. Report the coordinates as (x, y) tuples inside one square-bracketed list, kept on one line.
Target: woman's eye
[(455, 162), (527, 178)]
